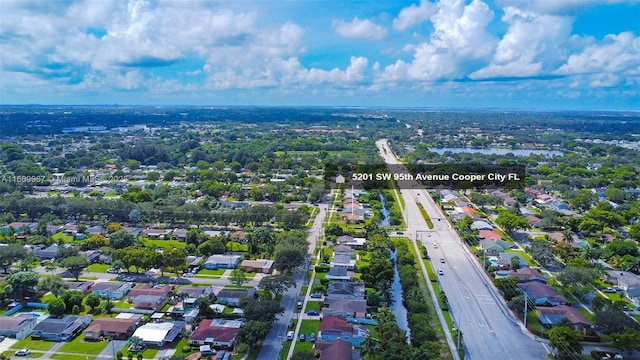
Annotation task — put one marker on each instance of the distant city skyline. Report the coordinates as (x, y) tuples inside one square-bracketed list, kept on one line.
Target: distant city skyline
[(511, 54)]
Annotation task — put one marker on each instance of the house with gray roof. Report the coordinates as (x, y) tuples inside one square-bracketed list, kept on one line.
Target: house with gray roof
[(63, 329), (346, 289), (222, 261), (18, 327), (111, 290)]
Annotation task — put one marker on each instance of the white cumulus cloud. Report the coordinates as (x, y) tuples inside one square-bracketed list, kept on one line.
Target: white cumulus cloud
[(359, 29), (533, 44), (414, 15)]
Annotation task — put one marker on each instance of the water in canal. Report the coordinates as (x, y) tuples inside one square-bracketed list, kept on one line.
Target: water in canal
[(385, 212), (396, 295)]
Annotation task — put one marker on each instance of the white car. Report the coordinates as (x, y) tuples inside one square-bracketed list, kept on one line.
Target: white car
[(440, 272), (188, 275), (23, 352)]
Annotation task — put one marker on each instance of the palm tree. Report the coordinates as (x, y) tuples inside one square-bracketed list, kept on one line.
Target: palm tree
[(370, 347)]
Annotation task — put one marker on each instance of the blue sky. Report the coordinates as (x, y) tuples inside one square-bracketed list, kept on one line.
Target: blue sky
[(533, 54)]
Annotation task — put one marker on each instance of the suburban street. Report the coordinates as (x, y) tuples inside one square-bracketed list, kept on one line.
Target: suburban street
[(273, 343), (489, 330)]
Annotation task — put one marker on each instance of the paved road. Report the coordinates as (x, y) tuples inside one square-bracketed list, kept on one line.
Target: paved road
[(489, 330), (273, 343)]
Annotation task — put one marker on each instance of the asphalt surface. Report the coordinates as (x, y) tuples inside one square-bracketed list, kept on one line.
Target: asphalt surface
[(273, 343), (489, 330)]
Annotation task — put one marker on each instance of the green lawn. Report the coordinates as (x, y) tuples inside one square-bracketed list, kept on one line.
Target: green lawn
[(236, 246), (303, 291), (34, 354), (28, 343), (165, 244), (312, 305), (61, 236), (309, 326), (78, 345), (149, 353), (217, 272), (99, 268), (526, 256), (123, 304), (71, 357), (180, 344)]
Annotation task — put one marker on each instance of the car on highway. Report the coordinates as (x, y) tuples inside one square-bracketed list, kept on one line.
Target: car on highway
[(440, 272), (313, 313), (442, 260), (435, 246), (23, 352)]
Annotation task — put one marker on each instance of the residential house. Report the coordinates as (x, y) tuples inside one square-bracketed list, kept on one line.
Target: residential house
[(19, 227), (347, 308), (191, 295), (179, 234), (344, 250), (345, 260), (524, 274), (551, 316), (82, 286), (47, 253), (232, 296), (493, 247), (346, 289), (219, 333), (18, 327), (264, 266), (226, 261), (633, 294), (504, 260), (95, 230), (335, 350), (132, 230), (120, 329), (351, 218), (194, 261), (489, 235), (111, 290), (336, 328), (159, 334), (339, 273), (481, 225), (560, 205), (533, 221), (624, 279), (91, 255), (148, 297), (63, 329), (350, 241), (160, 234), (542, 294)]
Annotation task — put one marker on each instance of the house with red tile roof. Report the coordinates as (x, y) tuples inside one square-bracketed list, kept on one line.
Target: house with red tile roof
[(218, 333)]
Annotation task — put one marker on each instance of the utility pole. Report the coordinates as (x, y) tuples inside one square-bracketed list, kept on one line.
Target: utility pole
[(525, 309)]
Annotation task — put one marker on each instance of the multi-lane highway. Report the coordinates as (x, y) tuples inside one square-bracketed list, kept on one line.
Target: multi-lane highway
[(489, 330)]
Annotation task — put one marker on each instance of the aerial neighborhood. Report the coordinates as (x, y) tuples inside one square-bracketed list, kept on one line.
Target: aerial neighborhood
[(227, 239)]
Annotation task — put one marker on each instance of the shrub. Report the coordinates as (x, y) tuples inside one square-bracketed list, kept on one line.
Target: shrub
[(186, 349)]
